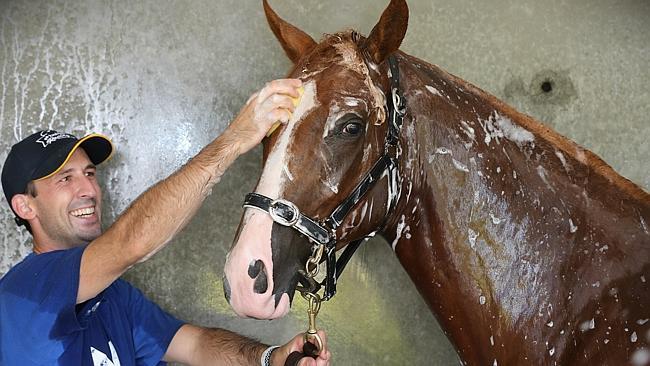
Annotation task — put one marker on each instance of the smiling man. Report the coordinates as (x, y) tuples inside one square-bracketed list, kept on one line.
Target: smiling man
[(53, 166), (64, 304)]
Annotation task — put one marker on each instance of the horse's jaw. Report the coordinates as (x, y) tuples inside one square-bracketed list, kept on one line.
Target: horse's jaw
[(248, 273)]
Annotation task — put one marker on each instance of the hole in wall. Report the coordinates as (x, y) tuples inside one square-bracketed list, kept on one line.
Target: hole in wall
[(551, 87), (547, 86), (548, 92)]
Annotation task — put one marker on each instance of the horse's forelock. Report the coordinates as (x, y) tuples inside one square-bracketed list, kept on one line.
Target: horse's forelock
[(344, 49), (326, 52)]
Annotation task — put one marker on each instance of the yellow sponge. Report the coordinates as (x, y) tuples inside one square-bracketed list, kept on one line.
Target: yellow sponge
[(295, 104)]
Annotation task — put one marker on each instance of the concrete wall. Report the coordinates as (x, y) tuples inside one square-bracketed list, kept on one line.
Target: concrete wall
[(162, 78)]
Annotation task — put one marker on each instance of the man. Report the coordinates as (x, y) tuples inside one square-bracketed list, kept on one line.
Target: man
[(64, 303)]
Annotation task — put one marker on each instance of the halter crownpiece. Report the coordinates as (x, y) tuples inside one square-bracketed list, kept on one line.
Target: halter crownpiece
[(323, 233)]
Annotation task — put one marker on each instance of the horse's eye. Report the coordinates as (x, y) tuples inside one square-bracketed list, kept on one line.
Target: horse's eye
[(352, 128)]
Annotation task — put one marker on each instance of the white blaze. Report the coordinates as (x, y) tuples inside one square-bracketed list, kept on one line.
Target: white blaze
[(272, 181), (254, 242)]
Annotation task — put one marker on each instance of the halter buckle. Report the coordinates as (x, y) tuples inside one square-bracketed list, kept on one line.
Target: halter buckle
[(284, 212)]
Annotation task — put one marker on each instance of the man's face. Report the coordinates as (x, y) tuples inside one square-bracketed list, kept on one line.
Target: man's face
[(68, 204)]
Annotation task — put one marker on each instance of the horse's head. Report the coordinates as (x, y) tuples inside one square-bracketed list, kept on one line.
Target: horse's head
[(335, 136)]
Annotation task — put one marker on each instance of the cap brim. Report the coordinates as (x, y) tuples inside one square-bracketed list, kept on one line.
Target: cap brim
[(98, 148)]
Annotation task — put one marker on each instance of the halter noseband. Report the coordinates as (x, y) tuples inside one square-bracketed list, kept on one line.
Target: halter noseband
[(323, 232)]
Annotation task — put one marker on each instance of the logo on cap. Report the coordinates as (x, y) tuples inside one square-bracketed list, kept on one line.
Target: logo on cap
[(49, 136)]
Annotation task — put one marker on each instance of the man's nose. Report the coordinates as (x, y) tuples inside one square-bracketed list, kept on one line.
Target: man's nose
[(87, 187)]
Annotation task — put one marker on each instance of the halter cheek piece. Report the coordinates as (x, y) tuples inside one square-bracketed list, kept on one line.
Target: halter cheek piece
[(323, 232)]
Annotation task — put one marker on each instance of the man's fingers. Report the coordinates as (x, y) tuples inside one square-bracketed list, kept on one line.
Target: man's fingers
[(308, 361), (277, 108), (281, 86), (273, 102), (323, 359), (252, 97), (279, 115), (280, 100)]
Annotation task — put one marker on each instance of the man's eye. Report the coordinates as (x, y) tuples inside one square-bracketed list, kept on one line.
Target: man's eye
[(352, 128), (90, 174), (65, 179)]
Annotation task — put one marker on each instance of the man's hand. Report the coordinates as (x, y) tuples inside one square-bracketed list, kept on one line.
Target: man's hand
[(280, 355), (273, 103)]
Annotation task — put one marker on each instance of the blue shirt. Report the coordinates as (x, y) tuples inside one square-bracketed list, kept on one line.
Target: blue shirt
[(41, 324)]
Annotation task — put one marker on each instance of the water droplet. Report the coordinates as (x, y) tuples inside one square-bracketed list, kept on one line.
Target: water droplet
[(572, 227), (587, 325)]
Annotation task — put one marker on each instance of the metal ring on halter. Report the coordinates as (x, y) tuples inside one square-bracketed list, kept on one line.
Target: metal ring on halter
[(314, 301), (284, 212)]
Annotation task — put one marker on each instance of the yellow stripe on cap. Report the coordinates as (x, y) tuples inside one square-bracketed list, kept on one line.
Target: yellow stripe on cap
[(295, 101), (74, 148)]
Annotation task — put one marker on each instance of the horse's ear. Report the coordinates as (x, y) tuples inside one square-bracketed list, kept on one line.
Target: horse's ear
[(388, 33), (294, 41)]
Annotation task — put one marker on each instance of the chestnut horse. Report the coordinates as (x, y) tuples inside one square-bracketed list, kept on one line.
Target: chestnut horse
[(529, 249)]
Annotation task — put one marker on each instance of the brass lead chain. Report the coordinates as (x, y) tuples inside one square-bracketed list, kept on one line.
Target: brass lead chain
[(314, 261)]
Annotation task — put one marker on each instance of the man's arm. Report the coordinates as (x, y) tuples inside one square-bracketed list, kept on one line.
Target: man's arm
[(196, 346), (163, 210)]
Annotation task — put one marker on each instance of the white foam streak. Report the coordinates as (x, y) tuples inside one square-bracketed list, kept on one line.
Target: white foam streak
[(272, 180)]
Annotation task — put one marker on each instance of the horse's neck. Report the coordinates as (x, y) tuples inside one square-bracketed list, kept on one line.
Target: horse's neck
[(502, 223)]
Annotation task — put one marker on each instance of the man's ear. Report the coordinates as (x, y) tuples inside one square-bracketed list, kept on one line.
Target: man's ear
[(22, 206)]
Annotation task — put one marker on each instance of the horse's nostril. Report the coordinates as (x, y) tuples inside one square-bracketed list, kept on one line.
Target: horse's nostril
[(261, 283), (255, 268), (257, 271), (226, 288)]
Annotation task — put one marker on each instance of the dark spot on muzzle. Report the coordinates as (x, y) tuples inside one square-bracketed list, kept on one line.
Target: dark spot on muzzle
[(226, 288), (257, 271), (254, 268)]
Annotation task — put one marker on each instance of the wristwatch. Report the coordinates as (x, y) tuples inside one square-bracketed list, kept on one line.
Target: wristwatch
[(266, 356)]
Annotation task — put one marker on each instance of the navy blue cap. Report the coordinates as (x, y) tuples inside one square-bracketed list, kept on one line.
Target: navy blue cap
[(43, 154)]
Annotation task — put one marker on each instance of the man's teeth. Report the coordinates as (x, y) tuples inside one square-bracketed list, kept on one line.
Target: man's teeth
[(83, 212)]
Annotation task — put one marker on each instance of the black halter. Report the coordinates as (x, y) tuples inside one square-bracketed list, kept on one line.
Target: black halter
[(286, 213)]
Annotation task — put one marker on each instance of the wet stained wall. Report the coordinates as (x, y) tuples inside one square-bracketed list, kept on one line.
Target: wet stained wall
[(163, 78)]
